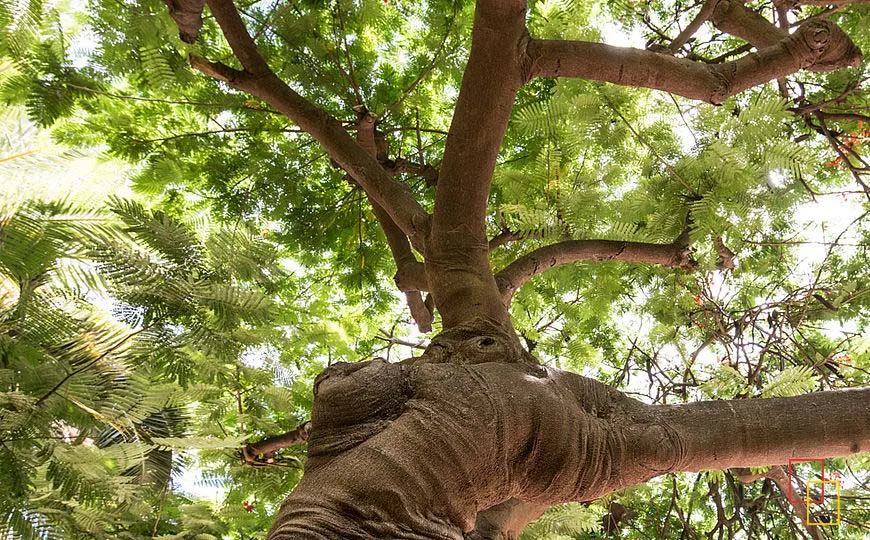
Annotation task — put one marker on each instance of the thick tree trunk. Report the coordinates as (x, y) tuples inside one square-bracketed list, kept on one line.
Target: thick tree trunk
[(415, 450)]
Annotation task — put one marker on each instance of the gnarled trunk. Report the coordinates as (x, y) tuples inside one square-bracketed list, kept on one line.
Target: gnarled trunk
[(415, 450)]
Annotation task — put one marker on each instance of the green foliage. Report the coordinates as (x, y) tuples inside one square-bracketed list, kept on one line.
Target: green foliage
[(564, 521), (95, 412)]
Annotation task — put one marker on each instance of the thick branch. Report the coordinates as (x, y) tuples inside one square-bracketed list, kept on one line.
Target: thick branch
[(188, 17), (457, 261), (513, 276), (735, 18), (260, 81), (819, 44), (755, 432)]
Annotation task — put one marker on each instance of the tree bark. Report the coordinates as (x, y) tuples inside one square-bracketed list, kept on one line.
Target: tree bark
[(457, 260), (417, 449)]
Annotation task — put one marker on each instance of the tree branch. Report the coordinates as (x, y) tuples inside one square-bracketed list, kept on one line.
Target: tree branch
[(819, 44), (778, 476), (403, 166), (513, 276), (400, 247), (705, 13), (755, 432), (260, 81), (735, 18), (272, 444), (187, 15), (457, 262)]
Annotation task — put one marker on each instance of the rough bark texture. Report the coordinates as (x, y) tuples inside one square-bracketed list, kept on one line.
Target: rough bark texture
[(416, 449)]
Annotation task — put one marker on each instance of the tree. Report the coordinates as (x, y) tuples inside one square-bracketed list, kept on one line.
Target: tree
[(90, 444), (474, 437)]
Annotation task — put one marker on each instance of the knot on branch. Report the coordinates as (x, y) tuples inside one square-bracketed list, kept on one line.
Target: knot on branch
[(826, 46), (476, 342), (723, 78)]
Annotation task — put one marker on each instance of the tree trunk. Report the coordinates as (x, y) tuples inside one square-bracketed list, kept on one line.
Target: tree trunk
[(415, 450)]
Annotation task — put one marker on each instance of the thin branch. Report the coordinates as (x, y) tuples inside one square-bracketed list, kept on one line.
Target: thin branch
[(421, 345), (843, 116), (169, 101), (353, 80), (398, 242), (705, 13), (429, 67), (216, 132), (671, 169), (91, 363), (278, 442)]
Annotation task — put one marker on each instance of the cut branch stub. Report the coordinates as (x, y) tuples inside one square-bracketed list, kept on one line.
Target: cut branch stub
[(188, 17), (271, 445)]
